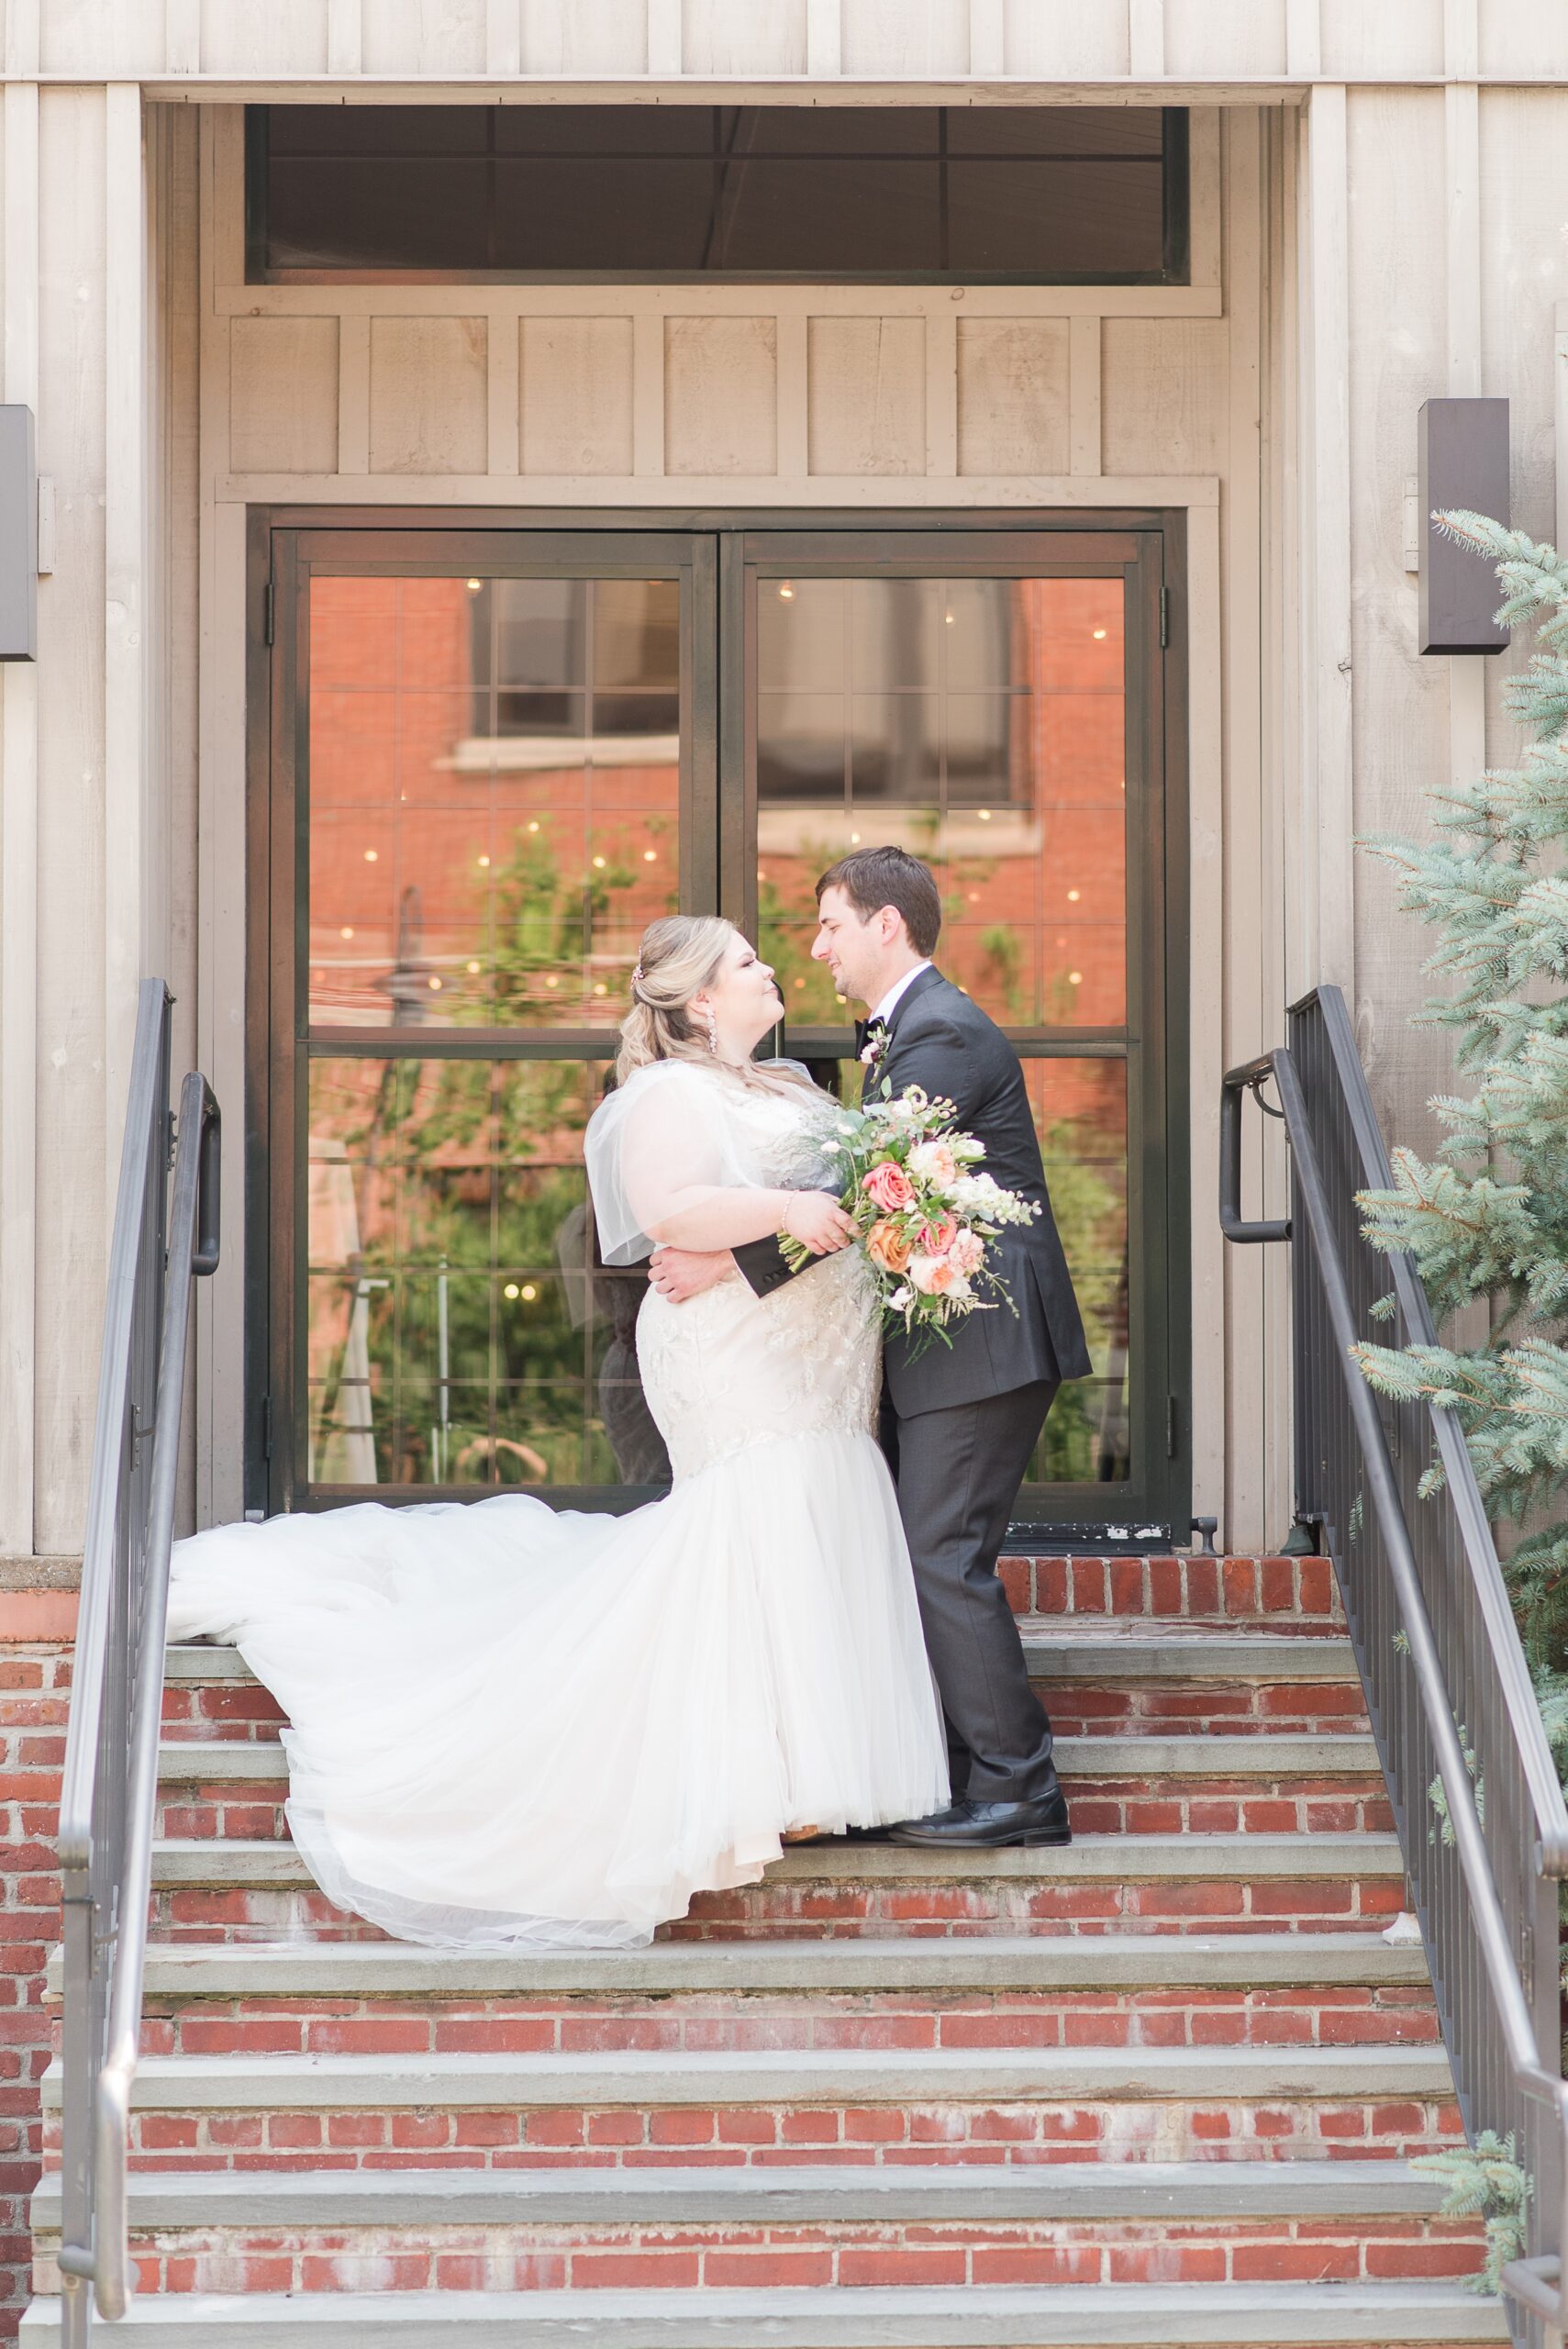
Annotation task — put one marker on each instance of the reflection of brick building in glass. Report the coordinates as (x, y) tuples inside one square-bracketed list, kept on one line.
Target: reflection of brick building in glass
[(486, 847), (493, 790)]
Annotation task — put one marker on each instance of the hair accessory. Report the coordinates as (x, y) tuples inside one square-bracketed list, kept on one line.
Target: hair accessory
[(637, 978)]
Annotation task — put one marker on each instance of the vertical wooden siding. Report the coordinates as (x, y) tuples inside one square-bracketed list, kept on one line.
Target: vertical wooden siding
[(1335, 286)]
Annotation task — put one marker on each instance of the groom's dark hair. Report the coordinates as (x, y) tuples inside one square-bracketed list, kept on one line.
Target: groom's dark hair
[(873, 877)]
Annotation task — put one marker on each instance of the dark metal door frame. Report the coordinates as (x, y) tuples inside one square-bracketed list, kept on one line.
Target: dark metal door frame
[(717, 553)]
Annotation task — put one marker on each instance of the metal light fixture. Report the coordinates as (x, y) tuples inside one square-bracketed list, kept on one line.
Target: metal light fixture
[(1463, 463), (19, 536)]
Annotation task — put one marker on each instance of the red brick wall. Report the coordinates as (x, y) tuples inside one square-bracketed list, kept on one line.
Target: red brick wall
[(34, 1682)]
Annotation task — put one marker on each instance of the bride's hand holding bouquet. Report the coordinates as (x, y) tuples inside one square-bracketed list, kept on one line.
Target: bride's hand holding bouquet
[(923, 1209)]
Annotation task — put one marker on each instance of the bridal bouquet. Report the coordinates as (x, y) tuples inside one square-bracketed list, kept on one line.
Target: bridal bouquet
[(924, 1208)]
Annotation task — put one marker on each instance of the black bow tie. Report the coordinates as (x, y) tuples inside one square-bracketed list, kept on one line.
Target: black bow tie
[(865, 1030)]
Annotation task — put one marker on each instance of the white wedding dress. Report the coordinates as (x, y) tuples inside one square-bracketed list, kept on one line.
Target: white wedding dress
[(512, 1726)]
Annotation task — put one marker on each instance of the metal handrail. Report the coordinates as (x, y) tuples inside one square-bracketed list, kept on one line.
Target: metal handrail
[(1416, 1561), (110, 1779)]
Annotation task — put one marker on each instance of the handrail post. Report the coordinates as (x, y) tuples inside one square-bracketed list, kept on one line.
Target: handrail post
[(1232, 1223)]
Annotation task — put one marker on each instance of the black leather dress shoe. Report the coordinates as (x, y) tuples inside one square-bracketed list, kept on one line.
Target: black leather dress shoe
[(988, 1826)]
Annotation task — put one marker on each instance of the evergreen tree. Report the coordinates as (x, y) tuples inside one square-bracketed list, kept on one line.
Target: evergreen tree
[(1488, 1218)]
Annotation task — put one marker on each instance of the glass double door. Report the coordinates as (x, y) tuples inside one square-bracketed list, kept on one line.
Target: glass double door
[(493, 756)]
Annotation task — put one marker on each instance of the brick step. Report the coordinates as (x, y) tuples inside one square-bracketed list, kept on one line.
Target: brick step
[(1119, 1785), (1301, 2015), (845, 2104), (607, 2254), (212, 1888), (1100, 2316), (1152, 1677), (1295, 1594), (359, 1971), (529, 2230)]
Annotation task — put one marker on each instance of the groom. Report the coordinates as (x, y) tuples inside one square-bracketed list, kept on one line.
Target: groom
[(959, 1423)]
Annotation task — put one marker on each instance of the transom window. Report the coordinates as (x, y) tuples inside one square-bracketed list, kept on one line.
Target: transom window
[(1044, 195)]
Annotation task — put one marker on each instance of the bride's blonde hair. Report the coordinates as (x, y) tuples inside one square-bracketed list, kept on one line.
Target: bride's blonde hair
[(679, 956)]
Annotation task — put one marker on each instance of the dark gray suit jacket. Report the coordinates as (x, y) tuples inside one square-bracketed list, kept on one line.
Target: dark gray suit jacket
[(939, 1039)]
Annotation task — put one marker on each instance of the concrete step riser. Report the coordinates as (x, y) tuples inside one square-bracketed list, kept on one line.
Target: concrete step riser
[(713, 2023), (523, 2259)]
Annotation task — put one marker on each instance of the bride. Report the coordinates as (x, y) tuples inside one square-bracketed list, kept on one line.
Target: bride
[(516, 1726)]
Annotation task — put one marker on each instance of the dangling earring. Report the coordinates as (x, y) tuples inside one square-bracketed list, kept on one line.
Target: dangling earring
[(712, 1031)]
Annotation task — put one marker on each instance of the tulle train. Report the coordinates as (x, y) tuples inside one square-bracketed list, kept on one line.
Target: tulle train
[(515, 1726)]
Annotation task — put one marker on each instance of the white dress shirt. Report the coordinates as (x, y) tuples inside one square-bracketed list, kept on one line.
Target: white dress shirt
[(896, 993)]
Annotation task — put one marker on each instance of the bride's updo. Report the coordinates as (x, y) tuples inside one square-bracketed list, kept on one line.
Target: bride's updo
[(679, 956)]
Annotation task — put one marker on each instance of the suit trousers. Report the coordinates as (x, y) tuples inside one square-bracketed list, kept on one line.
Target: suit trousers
[(958, 1473)]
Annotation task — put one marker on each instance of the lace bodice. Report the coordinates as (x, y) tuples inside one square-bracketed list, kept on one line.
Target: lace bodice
[(728, 1369)]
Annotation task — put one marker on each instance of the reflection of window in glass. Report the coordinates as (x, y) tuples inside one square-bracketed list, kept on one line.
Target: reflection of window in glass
[(883, 691), (574, 656), (494, 778), (979, 723)]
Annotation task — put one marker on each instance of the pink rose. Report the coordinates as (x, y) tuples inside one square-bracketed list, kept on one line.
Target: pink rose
[(887, 1187), (967, 1253), (937, 1238)]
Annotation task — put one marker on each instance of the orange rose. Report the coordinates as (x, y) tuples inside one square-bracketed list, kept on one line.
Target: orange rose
[(886, 1246), (887, 1187)]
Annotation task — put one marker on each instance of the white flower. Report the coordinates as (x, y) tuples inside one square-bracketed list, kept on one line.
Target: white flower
[(900, 1298), (976, 1193), (933, 1162)]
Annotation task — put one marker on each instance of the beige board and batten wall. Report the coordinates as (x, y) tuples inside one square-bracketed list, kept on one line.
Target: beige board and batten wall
[(1368, 245)]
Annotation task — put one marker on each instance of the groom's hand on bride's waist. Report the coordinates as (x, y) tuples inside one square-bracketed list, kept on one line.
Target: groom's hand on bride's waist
[(680, 1274)]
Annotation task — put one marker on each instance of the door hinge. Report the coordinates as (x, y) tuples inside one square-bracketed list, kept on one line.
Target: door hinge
[(269, 601), (1165, 619), (266, 1427), (1172, 1426)]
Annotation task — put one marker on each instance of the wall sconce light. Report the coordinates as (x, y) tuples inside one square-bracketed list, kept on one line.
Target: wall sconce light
[(19, 536), (1463, 463)]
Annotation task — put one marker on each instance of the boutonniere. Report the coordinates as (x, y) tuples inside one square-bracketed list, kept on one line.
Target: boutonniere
[(875, 1044)]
